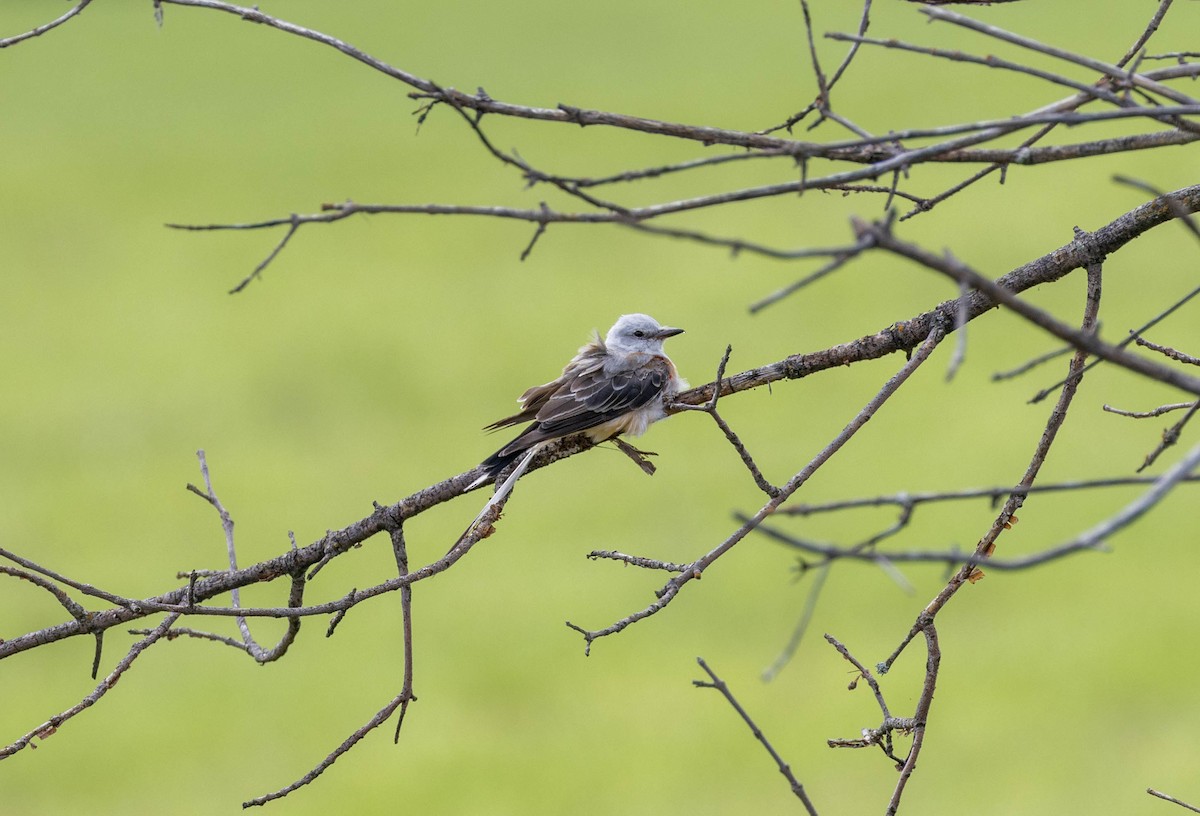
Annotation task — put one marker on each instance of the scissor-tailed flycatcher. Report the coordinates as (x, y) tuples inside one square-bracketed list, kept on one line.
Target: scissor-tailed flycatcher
[(612, 386)]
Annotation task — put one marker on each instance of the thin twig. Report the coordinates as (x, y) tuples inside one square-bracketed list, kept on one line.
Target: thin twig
[(961, 317), (1114, 72), (1167, 351), (52, 725), (710, 408), (920, 716), (1159, 411), (1148, 32), (258, 270), (1082, 340), (969, 573), (953, 557), (1169, 437), (1172, 800), (42, 29), (839, 260), (636, 560), (1028, 366), (822, 98), (697, 567), (790, 648), (380, 717), (994, 493), (881, 736), (1134, 333), (296, 596), (721, 686), (400, 551), (989, 61)]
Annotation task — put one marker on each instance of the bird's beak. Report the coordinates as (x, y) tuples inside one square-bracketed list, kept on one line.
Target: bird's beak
[(667, 331)]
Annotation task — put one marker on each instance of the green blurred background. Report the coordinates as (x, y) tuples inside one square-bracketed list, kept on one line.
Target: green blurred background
[(362, 365)]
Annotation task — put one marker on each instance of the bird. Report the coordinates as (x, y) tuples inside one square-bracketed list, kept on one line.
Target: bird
[(613, 386)]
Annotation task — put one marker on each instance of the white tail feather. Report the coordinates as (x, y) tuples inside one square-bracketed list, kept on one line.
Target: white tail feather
[(505, 487)]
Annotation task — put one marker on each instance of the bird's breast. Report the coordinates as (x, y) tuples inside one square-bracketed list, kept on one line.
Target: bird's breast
[(633, 423)]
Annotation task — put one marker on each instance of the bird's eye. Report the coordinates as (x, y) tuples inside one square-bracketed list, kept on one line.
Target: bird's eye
[(639, 333)]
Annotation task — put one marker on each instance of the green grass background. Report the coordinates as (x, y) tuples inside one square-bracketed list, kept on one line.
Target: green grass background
[(362, 365)]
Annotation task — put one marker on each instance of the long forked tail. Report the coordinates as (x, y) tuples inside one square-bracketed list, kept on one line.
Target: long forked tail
[(494, 465), (505, 487), (498, 462), (503, 459)]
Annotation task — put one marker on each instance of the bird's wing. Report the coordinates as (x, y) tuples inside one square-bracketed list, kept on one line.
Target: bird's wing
[(531, 402), (585, 397), (595, 397), (534, 399)]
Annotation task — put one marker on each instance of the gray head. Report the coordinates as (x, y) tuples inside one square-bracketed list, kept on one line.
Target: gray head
[(638, 332)]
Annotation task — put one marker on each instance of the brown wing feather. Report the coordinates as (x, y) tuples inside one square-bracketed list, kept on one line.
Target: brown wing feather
[(533, 400), (596, 398), (586, 396)]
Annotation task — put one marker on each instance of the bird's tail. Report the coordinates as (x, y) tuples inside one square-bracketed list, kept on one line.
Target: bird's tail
[(504, 458), (505, 488), (494, 465), (499, 462)]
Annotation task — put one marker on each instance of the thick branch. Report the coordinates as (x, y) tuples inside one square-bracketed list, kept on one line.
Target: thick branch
[(907, 334), (902, 336)]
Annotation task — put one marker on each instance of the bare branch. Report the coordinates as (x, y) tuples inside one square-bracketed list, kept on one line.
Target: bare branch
[(990, 62), (636, 560), (1185, 218), (1181, 56), (42, 29), (801, 628), (915, 725), (951, 557), (993, 493), (909, 333), (1147, 33), (400, 551), (721, 686), (1133, 334), (1167, 351), (920, 716), (52, 725), (1159, 411), (710, 408), (1094, 537), (871, 161), (903, 335), (1079, 339), (295, 599), (970, 573), (1170, 436), (1172, 799), (380, 717), (824, 86), (1113, 72), (697, 567)]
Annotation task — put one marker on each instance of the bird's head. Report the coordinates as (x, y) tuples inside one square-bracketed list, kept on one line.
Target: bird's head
[(638, 332)]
